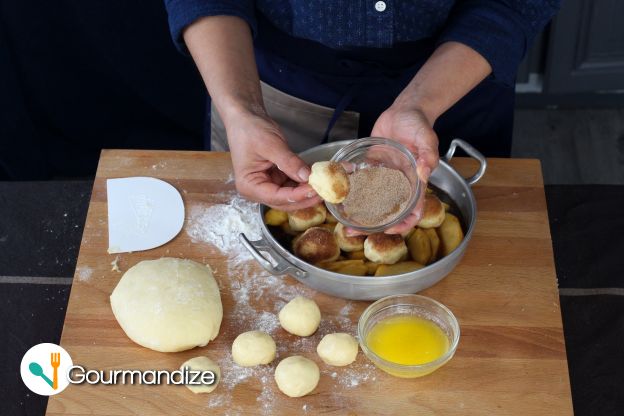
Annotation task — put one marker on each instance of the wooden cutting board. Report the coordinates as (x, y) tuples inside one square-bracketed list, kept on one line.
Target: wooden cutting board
[(511, 357)]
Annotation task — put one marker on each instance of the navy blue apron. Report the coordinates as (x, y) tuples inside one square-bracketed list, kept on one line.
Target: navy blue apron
[(367, 81)]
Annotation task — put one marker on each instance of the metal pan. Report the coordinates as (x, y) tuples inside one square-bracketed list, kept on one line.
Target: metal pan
[(278, 260)]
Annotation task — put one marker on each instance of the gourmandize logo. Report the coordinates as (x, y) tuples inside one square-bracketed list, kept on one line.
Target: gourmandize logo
[(44, 369), (47, 369), (55, 361)]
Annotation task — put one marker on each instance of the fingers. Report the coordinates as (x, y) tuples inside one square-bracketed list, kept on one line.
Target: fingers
[(423, 172), (408, 223), (288, 162), (310, 202), (411, 220), (259, 187), (278, 177), (427, 160), (350, 232)]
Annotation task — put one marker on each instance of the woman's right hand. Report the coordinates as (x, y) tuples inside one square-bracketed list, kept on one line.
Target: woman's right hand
[(265, 169)]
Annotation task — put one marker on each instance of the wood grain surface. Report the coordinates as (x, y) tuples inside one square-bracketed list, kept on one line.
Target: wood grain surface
[(511, 357)]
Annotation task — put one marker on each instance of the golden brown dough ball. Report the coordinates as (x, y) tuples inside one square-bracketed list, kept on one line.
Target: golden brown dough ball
[(315, 245), (275, 217), (330, 219), (348, 244), (330, 181), (385, 248), (398, 268), (303, 219), (450, 233), (433, 212), (419, 246)]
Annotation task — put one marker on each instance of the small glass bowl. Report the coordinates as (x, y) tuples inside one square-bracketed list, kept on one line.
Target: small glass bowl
[(411, 305), (374, 151)]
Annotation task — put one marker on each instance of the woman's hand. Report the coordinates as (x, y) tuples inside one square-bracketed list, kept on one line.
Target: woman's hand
[(411, 127), (265, 169)]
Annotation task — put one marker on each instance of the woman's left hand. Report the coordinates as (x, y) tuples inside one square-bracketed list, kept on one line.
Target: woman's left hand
[(410, 127)]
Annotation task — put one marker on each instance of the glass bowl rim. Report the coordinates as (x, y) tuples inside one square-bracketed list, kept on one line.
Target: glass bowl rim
[(371, 355), (376, 141)]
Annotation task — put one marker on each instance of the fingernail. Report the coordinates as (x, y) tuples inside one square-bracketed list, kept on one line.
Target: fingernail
[(304, 174), (309, 194)]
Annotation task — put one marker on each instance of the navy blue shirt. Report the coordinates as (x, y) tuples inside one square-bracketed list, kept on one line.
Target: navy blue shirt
[(500, 30)]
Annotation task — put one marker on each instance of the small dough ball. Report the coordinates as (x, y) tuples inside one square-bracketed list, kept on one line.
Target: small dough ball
[(330, 219), (407, 233), (275, 217), (357, 255), (350, 267), (371, 268), (397, 268), (328, 226), (330, 181), (435, 243), (203, 364), (419, 246), (433, 212), (302, 219), (338, 349), (385, 248), (297, 376), (301, 316), (286, 229), (253, 348), (315, 245), (450, 233), (168, 305), (348, 244)]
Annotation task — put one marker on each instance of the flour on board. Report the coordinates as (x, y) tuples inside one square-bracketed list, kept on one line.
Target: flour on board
[(249, 285), (221, 225)]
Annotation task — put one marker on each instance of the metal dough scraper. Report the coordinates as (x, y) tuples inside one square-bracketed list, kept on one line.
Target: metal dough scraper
[(143, 213)]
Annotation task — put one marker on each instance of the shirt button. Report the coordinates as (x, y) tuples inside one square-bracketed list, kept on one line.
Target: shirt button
[(380, 6)]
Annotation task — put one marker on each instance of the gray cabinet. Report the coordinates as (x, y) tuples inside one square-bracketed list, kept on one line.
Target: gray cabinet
[(585, 52)]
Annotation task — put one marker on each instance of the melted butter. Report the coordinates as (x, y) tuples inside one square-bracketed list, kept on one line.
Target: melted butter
[(407, 340)]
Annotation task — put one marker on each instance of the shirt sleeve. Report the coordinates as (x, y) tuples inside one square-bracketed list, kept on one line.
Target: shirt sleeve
[(184, 12), (500, 30)]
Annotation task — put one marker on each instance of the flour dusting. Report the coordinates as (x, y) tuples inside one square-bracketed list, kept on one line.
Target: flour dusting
[(257, 299), (221, 224), (84, 273)]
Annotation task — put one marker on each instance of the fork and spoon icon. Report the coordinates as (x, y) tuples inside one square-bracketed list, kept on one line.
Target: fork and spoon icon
[(55, 361)]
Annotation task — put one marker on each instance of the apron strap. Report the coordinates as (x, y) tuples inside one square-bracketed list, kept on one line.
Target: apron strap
[(344, 102)]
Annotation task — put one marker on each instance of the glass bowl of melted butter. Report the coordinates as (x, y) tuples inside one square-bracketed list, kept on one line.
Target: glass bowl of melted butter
[(408, 335), (383, 184)]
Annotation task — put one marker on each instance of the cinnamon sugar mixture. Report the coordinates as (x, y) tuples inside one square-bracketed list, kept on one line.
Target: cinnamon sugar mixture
[(377, 195)]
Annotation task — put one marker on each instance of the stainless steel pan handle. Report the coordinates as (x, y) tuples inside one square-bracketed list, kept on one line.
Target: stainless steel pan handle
[(472, 152), (281, 266)]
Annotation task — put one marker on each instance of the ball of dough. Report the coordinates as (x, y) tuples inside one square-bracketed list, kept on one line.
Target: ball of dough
[(330, 181), (203, 364), (433, 212), (302, 219), (338, 349), (348, 244), (297, 376), (168, 304), (330, 219), (385, 248), (315, 245), (253, 348), (301, 316)]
